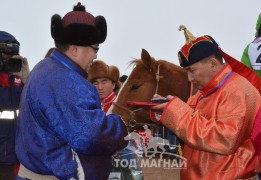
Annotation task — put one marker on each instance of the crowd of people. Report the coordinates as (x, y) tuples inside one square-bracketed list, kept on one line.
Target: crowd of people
[(62, 130)]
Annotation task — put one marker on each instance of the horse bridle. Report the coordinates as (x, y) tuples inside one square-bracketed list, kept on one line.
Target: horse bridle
[(132, 123), (158, 77)]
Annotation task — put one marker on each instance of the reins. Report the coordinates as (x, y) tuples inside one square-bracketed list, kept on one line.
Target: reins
[(132, 122)]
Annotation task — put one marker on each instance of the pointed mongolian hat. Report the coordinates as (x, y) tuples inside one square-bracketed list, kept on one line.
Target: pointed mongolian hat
[(195, 48), (198, 48)]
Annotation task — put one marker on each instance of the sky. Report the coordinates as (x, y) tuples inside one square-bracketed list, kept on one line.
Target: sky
[(135, 24)]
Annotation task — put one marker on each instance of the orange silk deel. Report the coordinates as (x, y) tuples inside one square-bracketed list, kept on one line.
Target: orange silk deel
[(215, 127)]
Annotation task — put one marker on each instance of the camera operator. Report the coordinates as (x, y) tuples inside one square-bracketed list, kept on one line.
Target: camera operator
[(13, 73)]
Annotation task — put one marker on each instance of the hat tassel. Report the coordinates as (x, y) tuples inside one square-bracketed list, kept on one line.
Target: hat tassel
[(188, 35)]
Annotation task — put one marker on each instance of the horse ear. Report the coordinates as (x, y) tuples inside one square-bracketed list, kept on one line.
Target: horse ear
[(146, 59)]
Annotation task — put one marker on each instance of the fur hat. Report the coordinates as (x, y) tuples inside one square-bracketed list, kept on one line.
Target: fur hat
[(79, 27), (196, 49), (99, 69)]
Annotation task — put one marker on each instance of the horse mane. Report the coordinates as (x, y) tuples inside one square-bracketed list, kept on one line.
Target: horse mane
[(137, 62), (134, 62), (170, 65)]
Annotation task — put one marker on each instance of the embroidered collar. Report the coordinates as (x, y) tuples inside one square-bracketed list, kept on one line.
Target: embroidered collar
[(67, 62), (217, 82), (106, 102)]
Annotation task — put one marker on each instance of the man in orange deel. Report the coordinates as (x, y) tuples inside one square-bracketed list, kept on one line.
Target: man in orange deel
[(215, 124)]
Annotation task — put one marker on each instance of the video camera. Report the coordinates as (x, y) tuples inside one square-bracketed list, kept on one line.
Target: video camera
[(10, 65)]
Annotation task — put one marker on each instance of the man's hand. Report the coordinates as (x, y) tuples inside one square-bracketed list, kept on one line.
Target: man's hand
[(156, 111), (161, 106), (23, 74)]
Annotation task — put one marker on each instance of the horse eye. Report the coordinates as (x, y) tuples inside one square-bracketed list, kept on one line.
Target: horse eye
[(135, 87)]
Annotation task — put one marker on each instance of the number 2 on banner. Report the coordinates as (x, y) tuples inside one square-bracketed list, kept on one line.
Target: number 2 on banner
[(258, 60)]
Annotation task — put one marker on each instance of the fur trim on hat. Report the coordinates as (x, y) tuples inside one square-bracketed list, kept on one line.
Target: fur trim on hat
[(79, 27), (101, 70)]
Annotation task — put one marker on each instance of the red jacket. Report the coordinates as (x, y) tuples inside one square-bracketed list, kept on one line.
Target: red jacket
[(107, 102)]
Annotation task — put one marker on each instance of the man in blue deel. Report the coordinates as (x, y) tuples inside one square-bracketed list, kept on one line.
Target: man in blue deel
[(62, 131)]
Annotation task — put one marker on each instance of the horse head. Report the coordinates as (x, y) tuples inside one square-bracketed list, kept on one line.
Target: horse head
[(149, 76)]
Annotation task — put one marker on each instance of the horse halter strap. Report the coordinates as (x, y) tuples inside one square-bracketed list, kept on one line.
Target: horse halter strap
[(158, 77), (132, 122)]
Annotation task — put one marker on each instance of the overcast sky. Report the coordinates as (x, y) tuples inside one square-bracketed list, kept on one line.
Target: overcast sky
[(136, 24)]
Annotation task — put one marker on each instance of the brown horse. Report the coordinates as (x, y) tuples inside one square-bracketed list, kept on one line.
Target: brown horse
[(148, 77)]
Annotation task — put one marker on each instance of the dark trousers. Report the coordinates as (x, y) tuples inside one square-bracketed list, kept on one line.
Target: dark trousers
[(7, 172)]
